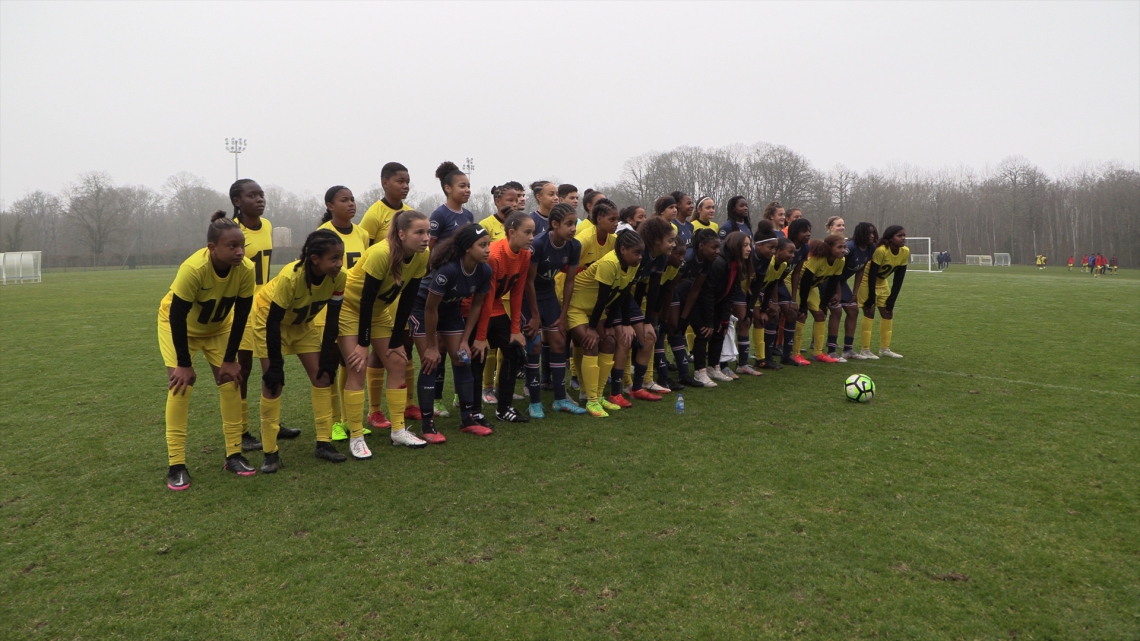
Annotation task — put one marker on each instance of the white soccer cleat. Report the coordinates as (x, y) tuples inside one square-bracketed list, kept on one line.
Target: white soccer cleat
[(838, 359), (716, 374), (850, 354), (359, 448), (888, 353), (702, 377), (407, 439), (489, 396), (867, 356), (657, 389)]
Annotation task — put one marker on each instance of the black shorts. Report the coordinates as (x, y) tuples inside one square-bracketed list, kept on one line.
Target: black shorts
[(450, 321), (549, 311)]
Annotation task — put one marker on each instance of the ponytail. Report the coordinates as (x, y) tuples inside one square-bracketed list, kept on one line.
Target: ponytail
[(402, 222)]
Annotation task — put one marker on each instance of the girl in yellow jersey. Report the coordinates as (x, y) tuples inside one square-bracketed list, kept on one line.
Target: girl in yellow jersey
[(284, 322), (248, 200), (703, 219), (378, 298), (819, 282), (891, 257), (599, 316), (596, 234), (665, 306), (770, 255), (340, 209), (206, 310)]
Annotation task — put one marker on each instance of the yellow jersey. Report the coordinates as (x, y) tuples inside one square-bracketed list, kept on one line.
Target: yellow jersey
[(356, 242), (820, 269), (775, 271), (494, 227), (377, 263), (584, 226), (259, 248), (887, 261), (301, 302), (212, 296), (607, 271), (378, 219), (669, 274), (698, 225)]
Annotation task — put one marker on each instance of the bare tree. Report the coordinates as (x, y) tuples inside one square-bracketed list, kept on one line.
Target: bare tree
[(95, 205)]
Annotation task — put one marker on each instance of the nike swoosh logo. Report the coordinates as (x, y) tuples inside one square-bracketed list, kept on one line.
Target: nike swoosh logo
[(206, 289)]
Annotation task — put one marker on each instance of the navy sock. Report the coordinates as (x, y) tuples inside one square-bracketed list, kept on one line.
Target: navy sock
[(426, 385), (546, 363), (743, 346), (639, 375), (832, 343), (465, 388), (558, 374), (439, 381), (680, 355), (533, 383), (616, 375)]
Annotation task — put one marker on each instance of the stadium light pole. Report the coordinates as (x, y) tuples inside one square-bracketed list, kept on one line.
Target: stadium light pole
[(235, 146), (469, 166)]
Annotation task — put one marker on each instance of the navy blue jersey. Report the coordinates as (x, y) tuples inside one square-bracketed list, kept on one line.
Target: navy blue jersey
[(732, 226), (445, 222), (541, 223), (649, 266), (800, 256), (684, 232), (692, 268), (856, 259), (452, 284), (551, 261)]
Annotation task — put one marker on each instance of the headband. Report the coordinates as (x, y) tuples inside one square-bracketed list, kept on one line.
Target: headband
[(702, 201), (766, 240), (468, 236)]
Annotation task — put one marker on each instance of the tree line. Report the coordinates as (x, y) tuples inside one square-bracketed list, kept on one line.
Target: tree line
[(1014, 208)]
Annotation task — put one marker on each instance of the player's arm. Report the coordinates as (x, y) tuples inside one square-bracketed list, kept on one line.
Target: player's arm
[(431, 355), (691, 299), (872, 271), (896, 287), (531, 299), (274, 377), (403, 311), (797, 274), (807, 279), (183, 375), (604, 292), (330, 352), (230, 369), (370, 290)]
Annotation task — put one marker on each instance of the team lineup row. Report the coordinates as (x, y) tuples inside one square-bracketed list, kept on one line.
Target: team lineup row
[(607, 297)]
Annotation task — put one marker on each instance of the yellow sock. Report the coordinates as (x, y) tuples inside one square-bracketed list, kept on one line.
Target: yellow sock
[(758, 343), (605, 366), (270, 423), (865, 331), (244, 416), (489, 369), (576, 362), (177, 416), (589, 377), (886, 328), (397, 403), (819, 333), (375, 378), (230, 395), (689, 338), (798, 341), (335, 392), (354, 408), (322, 412)]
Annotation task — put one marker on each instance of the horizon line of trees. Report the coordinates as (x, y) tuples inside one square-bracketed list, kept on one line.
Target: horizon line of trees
[(1014, 208)]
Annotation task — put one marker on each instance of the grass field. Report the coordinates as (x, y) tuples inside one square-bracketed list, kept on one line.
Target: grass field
[(990, 491)]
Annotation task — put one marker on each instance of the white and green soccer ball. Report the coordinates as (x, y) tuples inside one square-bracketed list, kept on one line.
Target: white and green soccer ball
[(859, 388)]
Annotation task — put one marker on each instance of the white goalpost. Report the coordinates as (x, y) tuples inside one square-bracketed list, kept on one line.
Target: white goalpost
[(980, 259), (19, 267), (1002, 260), (922, 255)]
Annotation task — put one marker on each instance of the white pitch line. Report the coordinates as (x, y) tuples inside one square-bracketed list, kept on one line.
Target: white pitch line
[(1004, 380)]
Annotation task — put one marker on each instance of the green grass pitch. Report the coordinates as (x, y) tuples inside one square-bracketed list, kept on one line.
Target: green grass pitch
[(991, 490)]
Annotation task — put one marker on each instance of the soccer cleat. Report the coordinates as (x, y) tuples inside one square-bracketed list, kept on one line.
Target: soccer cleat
[(868, 355), (489, 396), (378, 420), (237, 464), (519, 397), (595, 409), (440, 410), (823, 358), (850, 354), (287, 433), (477, 425), (511, 416), (654, 388), (676, 386), (644, 395), (536, 410), (412, 413), (838, 359), (359, 449), (692, 382), (748, 370), (568, 406), (431, 436), (801, 361), (327, 451), (455, 400), (574, 383), (271, 463), (608, 405), (887, 352), (178, 478), (249, 444), (340, 431), (716, 374), (406, 438), (729, 373), (772, 363), (702, 377), (619, 400)]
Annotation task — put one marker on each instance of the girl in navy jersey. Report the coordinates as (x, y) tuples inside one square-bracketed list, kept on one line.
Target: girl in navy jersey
[(645, 306), (722, 288), (459, 270), (859, 251), (546, 196), (684, 211), (554, 252), (738, 220), (705, 249), (774, 293), (450, 216)]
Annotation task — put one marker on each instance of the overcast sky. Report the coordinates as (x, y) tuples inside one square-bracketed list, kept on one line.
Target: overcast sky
[(327, 93)]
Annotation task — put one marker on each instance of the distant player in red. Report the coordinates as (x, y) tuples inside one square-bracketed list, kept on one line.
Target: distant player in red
[(1070, 263)]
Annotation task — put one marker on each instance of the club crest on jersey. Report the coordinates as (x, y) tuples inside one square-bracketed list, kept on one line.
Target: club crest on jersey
[(440, 279), (434, 224)]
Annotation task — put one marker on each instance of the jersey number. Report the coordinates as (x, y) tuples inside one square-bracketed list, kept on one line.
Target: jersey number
[(219, 314), (506, 283), (351, 258), (259, 269), (390, 295), (306, 313)]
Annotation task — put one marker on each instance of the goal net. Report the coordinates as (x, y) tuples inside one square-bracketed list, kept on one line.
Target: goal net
[(923, 258), (19, 267), (1002, 260), (979, 259)]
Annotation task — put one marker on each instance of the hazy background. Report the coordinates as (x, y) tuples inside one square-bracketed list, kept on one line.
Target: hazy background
[(326, 93)]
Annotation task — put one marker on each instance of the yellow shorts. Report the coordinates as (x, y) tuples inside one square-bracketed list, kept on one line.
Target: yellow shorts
[(576, 316), (295, 339), (882, 293), (349, 323), (247, 339), (813, 300), (214, 347)]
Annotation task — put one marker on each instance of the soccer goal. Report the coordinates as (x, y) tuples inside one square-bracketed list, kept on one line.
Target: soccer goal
[(979, 259), (1002, 260), (922, 256), (19, 267)]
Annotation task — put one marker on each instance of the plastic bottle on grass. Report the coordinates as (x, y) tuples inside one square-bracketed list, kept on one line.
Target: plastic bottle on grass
[(680, 404)]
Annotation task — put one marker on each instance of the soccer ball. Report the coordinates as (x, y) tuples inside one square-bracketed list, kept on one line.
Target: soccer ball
[(859, 388)]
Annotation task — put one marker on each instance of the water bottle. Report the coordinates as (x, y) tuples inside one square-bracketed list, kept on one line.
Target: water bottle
[(680, 404), (463, 357)]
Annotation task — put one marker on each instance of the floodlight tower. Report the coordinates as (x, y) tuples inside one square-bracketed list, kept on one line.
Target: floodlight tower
[(469, 167), (235, 146)]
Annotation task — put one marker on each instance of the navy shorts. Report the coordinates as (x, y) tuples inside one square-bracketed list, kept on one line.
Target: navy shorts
[(783, 296), (549, 311), (845, 297), (635, 313), (739, 297), (450, 321)]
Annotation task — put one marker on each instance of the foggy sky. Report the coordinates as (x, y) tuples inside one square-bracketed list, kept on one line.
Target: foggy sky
[(327, 93)]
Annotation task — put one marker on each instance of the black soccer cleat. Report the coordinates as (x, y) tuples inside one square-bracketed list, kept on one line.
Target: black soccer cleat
[(287, 433), (237, 464), (327, 451), (770, 362), (271, 463), (692, 382), (249, 444), (511, 416), (178, 478)]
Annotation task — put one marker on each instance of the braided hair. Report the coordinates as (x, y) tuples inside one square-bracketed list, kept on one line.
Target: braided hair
[(865, 234), (602, 207), (561, 212), (628, 239), (319, 243), (798, 226), (235, 193), (219, 225)]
